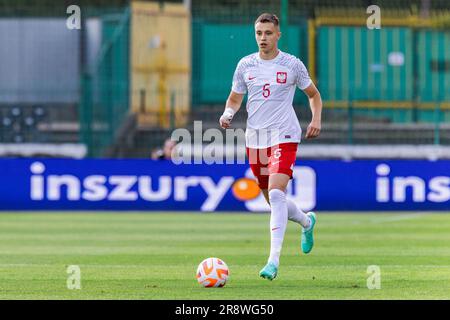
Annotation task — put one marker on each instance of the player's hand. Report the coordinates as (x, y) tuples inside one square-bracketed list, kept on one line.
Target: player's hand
[(225, 119), (313, 130)]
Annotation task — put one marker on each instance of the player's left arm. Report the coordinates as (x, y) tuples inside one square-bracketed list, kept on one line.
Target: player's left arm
[(315, 103)]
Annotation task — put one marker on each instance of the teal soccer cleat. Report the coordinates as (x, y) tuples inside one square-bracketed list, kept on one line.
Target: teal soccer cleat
[(307, 235), (269, 272)]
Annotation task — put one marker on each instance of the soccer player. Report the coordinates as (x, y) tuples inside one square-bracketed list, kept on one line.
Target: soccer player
[(273, 132)]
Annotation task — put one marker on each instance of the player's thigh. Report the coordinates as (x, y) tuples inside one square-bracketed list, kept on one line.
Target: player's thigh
[(258, 160), (278, 181), (281, 161)]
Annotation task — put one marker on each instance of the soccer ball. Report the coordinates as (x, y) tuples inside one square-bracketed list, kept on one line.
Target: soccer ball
[(212, 272)]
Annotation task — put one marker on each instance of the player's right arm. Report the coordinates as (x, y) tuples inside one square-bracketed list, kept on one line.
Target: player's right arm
[(232, 106), (234, 101)]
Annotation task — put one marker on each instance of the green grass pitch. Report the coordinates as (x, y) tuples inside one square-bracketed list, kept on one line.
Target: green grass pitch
[(155, 256)]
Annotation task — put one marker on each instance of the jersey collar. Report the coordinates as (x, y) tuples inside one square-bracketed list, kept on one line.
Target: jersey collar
[(277, 57)]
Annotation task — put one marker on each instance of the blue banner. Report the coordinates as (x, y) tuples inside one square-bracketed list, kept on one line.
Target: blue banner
[(331, 185)]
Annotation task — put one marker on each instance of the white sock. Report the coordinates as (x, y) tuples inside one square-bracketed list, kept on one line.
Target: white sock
[(278, 222), (297, 215)]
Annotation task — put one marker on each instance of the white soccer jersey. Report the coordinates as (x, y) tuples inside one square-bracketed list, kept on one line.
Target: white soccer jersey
[(271, 87)]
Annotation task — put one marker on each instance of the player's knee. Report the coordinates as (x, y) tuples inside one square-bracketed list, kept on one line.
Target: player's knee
[(278, 181), (276, 195)]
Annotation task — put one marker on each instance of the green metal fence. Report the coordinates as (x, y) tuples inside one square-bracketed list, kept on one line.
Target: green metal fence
[(396, 72), (354, 61), (105, 87), (434, 65)]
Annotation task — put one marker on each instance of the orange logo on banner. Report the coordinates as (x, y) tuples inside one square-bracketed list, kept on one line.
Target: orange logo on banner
[(245, 189)]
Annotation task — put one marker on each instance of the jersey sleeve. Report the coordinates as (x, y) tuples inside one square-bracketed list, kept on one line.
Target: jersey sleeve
[(239, 85), (303, 79)]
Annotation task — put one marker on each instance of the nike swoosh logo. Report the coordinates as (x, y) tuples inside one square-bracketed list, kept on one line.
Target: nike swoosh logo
[(251, 78), (275, 228)]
